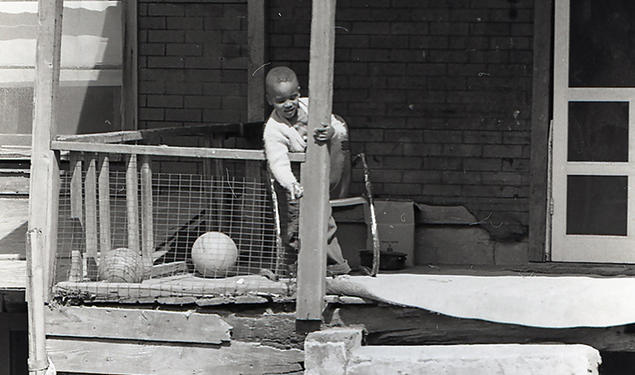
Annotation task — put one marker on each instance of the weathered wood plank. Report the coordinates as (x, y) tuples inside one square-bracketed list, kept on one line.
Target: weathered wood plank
[(130, 99), (44, 183), (256, 41), (122, 358), (15, 139), (132, 203), (13, 274), (104, 204), (147, 231), (90, 220), (146, 134), (193, 152), (77, 205), (144, 325), (190, 286), (314, 205), (167, 269), (540, 117), (412, 326)]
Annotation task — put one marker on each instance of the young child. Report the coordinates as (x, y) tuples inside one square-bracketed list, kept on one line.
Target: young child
[(286, 131)]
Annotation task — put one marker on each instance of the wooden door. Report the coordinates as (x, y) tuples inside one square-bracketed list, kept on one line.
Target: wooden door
[(593, 149)]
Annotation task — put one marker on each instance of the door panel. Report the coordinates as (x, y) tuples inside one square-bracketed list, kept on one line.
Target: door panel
[(593, 156)]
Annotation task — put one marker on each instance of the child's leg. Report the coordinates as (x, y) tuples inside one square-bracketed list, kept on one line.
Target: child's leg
[(293, 227), (333, 249)]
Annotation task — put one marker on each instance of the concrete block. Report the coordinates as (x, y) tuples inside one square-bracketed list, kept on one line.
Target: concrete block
[(475, 360), (327, 352)]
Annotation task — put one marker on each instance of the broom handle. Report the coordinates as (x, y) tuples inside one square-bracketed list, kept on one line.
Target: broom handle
[(373, 218)]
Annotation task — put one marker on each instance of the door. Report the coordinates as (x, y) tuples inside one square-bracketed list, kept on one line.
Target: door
[(593, 127)]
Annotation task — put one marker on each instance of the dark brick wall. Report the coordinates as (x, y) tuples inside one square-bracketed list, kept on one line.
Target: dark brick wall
[(192, 63), (436, 92)]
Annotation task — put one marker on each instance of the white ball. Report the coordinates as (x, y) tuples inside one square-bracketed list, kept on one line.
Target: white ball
[(213, 252)]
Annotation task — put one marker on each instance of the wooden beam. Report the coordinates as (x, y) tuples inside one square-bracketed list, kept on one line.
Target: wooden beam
[(314, 205), (95, 357), (143, 325), (540, 119), (256, 41), (397, 325), (147, 231), (90, 218), (132, 203), (77, 204), (192, 152), (15, 139), (104, 204), (129, 95), (145, 134), (179, 287), (44, 184)]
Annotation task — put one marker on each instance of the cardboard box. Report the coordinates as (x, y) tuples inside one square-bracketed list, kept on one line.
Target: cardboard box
[(395, 225)]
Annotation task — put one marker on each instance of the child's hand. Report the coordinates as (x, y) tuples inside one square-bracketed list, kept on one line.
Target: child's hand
[(323, 133), (296, 191)]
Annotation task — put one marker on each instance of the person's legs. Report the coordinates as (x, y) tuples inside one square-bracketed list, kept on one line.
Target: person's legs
[(337, 263), (290, 224)]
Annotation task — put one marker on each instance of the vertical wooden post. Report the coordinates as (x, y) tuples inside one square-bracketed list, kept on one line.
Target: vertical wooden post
[(147, 235), (129, 103), (132, 203), (256, 106), (104, 204), (90, 220), (76, 187), (256, 21), (314, 209), (44, 181), (540, 120)]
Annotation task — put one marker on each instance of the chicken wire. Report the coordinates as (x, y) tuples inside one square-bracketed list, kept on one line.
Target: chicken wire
[(204, 227)]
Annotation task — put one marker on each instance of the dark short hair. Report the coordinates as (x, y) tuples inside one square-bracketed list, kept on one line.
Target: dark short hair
[(280, 74)]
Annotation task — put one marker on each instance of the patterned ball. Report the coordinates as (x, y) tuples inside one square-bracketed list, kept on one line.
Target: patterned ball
[(213, 253), (121, 265)]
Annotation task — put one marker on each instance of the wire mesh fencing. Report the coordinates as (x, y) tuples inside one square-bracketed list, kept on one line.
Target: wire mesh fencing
[(167, 233)]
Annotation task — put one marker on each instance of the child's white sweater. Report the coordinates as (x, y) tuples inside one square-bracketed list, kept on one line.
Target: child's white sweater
[(280, 138)]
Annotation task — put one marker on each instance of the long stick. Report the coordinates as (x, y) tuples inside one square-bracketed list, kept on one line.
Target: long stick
[(276, 216), (373, 218)]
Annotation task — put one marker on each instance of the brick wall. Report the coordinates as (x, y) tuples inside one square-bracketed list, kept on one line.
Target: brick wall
[(192, 63), (437, 93)]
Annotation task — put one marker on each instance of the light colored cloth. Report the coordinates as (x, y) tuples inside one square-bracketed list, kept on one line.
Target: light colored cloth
[(538, 301), (280, 137)]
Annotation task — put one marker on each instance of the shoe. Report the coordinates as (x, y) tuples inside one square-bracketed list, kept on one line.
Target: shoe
[(338, 269)]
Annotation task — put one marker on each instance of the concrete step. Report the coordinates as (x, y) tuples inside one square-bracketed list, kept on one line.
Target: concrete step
[(339, 351)]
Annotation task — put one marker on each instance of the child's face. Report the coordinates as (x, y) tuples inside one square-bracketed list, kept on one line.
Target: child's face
[(283, 96)]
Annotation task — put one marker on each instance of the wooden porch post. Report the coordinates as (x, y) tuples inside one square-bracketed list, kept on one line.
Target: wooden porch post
[(44, 181), (129, 103), (315, 172), (256, 18), (540, 119)]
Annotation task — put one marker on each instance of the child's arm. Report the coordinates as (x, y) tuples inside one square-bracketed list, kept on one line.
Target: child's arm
[(277, 153)]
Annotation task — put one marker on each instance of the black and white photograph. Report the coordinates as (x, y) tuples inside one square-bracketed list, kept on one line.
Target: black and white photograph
[(317, 187)]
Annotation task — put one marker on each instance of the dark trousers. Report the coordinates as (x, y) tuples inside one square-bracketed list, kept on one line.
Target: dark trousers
[(290, 224)]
